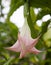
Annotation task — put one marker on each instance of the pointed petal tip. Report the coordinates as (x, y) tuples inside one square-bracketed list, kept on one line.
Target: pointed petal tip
[(8, 48), (39, 36), (38, 52), (20, 57)]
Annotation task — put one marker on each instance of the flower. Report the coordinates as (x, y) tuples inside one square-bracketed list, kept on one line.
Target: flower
[(25, 44)]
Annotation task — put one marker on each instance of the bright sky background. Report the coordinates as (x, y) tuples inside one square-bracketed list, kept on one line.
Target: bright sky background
[(18, 17)]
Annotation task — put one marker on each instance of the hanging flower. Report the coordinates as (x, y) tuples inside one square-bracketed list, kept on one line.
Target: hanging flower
[(25, 43)]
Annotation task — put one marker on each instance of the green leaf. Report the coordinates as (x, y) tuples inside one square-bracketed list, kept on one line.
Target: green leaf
[(31, 25), (8, 34), (13, 28), (45, 26), (15, 4), (9, 61), (43, 12), (41, 3), (47, 38), (32, 14)]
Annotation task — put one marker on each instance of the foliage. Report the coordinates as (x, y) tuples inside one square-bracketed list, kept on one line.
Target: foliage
[(8, 33)]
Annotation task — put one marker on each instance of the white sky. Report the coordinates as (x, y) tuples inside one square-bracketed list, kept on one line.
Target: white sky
[(18, 16)]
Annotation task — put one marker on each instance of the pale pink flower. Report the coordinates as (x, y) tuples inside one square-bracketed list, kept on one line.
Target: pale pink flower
[(25, 43), (24, 46)]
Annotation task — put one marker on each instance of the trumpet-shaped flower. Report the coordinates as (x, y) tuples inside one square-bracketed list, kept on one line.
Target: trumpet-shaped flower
[(25, 43)]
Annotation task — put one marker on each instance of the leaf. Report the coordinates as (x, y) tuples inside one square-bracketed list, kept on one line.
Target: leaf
[(8, 33), (43, 12), (45, 26), (9, 61), (32, 14), (15, 4), (41, 3), (31, 25), (13, 29), (47, 38)]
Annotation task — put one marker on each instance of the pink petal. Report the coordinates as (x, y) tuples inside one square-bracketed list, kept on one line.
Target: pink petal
[(22, 54), (34, 50), (32, 42), (16, 47), (22, 42)]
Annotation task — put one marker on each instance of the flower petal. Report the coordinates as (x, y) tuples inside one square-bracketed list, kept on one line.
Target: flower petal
[(16, 47), (22, 54), (34, 50), (32, 42)]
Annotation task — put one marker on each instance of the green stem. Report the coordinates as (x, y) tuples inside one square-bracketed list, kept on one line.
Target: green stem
[(9, 61)]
